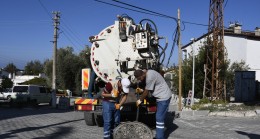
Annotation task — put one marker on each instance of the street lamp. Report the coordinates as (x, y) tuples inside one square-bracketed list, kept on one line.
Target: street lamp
[(193, 70)]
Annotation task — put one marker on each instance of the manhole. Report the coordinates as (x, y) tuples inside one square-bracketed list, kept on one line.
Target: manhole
[(132, 130)]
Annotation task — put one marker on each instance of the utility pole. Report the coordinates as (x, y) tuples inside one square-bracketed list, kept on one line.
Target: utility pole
[(215, 52), (56, 23), (180, 58), (193, 71)]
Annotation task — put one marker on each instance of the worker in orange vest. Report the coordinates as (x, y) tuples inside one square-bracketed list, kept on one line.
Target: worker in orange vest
[(111, 104)]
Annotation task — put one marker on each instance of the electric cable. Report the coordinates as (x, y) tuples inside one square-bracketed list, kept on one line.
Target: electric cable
[(173, 44), (45, 9), (126, 8), (163, 15), (75, 34), (70, 38)]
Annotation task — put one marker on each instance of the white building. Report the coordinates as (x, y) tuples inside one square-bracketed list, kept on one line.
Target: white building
[(240, 46), (19, 79), (23, 78), (16, 79)]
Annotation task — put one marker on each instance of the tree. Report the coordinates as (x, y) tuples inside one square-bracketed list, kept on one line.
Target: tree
[(84, 56), (227, 73), (187, 73), (47, 69), (66, 67), (11, 68), (200, 60), (33, 68), (230, 75), (6, 83), (36, 81), (69, 66)]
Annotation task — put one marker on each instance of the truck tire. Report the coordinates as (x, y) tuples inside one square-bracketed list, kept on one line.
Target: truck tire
[(89, 118), (99, 120)]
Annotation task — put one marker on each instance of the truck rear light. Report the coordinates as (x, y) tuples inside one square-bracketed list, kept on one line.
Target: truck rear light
[(152, 108), (85, 107)]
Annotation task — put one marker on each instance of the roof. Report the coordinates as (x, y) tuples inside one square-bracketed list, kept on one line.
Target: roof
[(229, 32)]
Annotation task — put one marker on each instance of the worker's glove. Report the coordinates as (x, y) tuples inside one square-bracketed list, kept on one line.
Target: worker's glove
[(114, 94), (138, 90), (117, 106), (138, 102)]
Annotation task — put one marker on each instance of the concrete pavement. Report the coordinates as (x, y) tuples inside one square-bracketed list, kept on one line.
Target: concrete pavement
[(45, 122)]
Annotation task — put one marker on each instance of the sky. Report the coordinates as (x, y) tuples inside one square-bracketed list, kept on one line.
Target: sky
[(26, 26)]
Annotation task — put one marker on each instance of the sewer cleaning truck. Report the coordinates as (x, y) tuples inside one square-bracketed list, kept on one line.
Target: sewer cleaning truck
[(116, 52)]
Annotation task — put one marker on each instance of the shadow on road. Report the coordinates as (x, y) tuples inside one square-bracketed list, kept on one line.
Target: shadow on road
[(62, 131), (169, 125), (250, 136), (7, 112)]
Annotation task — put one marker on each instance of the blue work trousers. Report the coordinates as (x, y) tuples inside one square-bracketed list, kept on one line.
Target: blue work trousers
[(162, 108), (111, 118)]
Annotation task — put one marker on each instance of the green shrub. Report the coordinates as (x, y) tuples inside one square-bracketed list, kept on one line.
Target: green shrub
[(204, 101), (219, 101), (195, 106)]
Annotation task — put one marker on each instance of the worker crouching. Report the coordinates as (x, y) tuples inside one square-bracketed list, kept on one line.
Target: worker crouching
[(156, 85), (111, 94)]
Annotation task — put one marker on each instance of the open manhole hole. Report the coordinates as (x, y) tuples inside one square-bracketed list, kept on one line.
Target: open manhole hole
[(132, 130)]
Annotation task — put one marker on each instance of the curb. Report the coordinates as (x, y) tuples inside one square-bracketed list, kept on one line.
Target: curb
[(193, 113), (252, 113), (234, 113)]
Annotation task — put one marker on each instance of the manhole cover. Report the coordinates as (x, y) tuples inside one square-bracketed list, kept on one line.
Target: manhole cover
[(132, 130)]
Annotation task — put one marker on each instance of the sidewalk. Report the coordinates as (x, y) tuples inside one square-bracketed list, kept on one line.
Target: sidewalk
[(250, 113), (189, 112)]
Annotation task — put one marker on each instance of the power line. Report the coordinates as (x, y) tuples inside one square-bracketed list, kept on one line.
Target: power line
[(173, 44), (68, 38), (225, 4), (76, 35), (194, 23), (126, 8), (73, 34), (45, 9), (24, 22), (163, 15), (154, 13), (65, 28)]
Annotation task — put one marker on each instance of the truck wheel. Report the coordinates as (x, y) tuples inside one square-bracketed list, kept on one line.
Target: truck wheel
[(151, 120), (99, 120), (89, 118)]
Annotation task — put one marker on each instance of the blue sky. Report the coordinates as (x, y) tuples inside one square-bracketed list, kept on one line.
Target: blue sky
[(26, 28)]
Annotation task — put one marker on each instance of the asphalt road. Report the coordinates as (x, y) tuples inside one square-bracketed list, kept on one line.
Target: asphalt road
[(45, 122)]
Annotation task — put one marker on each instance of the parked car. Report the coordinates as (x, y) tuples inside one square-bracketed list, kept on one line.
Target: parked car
[(34, 94), (5, 95)]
